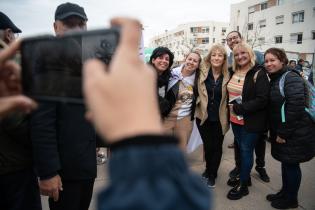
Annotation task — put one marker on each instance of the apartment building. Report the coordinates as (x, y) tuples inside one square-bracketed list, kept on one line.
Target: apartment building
[(198, 36), (287, 24)]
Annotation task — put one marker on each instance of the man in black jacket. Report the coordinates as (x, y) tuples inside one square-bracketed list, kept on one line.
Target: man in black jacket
[(63, 141), (18, 182)]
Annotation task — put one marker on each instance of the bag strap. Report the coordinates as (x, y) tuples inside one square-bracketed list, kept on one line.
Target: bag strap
[(255, 75), (281, 88), (281, 83)]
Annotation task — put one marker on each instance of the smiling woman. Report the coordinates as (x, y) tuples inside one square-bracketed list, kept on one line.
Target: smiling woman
[(181, 94), (295, 141), (211, 108), (250, 84), (162, 60)]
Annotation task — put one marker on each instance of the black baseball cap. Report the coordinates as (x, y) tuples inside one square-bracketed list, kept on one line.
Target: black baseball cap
[(68, 9), (5, 23)]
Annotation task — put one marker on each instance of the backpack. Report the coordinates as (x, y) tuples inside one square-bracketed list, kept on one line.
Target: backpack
[(310, 101)]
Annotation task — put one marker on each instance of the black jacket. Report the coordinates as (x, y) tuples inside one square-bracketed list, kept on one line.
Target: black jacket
[(15, 144), (164, 104), (254, 100), (298, 130), (63, 142)]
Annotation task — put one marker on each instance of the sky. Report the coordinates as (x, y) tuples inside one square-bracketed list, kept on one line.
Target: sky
[(37, 16)]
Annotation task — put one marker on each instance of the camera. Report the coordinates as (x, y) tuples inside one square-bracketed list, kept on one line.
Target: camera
[(52, 66)]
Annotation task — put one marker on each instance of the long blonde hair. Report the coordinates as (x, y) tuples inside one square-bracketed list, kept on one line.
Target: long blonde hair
[(220, 48), (250, 51)]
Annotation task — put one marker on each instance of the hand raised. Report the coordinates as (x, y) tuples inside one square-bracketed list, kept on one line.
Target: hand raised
[(121, 98)]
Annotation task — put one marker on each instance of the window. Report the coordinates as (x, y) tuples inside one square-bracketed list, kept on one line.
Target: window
[(299, 40), (279, 19), (251, 9), (238, 28), (223, 30), (264, 6), (313, 11), (262, 23), (298, 17), (278, 39), (205, 40), (213, 40), (213, 28), (193, 29), (313, 35), (205, 30), (250, 26), (296, 37), (223, 41), (261, 40), (280, 2)]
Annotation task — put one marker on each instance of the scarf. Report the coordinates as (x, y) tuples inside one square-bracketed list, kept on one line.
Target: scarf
[(176, 75)]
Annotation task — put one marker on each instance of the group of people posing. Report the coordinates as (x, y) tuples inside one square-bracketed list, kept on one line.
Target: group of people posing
[(241, 91), (146, 168)]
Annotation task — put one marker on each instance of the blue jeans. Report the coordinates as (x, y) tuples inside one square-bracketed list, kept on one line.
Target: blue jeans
[(246, 142), (291, 179)]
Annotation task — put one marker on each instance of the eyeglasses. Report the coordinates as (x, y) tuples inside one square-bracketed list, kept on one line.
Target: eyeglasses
[(232, 38)]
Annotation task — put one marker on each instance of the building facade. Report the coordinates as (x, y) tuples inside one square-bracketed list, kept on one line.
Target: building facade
[(198, 36), (287, 24)]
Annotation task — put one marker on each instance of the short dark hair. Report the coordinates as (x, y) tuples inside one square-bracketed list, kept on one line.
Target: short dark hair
[(157, 52), (239, 34), (279, 53), (300, 60)]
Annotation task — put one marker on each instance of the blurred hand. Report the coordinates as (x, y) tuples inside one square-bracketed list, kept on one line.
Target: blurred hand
[(280, 140), (10, 84), (121, 98), (51, 187), (10, 80)]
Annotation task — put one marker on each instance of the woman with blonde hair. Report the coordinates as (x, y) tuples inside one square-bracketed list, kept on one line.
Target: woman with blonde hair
[(211, 108), (248, 91), (181, 94)]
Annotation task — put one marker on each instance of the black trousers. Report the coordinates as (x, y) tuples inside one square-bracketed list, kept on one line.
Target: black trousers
[(260, 151), (19, 191), (76, 195), (212, 137)]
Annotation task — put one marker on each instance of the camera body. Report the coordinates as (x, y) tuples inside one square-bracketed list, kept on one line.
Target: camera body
[(52, 66)]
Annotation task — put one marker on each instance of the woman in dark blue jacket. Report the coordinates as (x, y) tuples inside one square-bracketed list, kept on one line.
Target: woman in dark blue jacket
[(295, 140)]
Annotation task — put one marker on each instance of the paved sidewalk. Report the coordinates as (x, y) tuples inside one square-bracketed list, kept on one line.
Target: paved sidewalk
[(256, 198)]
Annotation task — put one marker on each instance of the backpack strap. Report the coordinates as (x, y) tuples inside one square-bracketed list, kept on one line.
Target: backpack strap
[(281, 83), (255, 75), (281, 88)]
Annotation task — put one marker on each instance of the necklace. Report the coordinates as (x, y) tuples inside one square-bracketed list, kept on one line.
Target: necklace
[(239, 76)]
